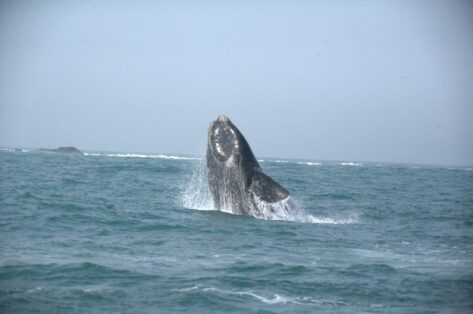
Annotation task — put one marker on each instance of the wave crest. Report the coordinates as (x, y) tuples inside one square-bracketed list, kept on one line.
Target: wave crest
[(134, 155)]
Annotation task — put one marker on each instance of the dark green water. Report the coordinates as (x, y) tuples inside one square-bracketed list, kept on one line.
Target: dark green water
[(106, 234)]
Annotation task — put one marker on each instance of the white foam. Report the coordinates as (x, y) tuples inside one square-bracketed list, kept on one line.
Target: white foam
[(330, 221), (350, 164), (282, 210), (188, 289), (196, 195), (134, 155), (34, 290), (309, 163), (263, 297), (290, 210), (15, 150), (177, 157), (268, 300), (464, 169)]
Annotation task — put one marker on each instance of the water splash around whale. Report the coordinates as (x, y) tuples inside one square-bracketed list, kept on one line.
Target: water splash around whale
[(196, 195)]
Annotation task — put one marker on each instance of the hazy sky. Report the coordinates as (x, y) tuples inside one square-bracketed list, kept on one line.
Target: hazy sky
[(339, 80)]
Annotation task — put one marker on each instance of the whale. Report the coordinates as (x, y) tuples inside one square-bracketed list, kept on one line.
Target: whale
[(236, 181)]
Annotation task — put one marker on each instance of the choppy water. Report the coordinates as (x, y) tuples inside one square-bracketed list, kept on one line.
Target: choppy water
[(108, 233)]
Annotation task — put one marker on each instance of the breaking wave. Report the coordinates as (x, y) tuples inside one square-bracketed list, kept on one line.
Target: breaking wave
[(133, 155), (15, 150), (265, 299), (272, 298), (350, 164), (309, 163)]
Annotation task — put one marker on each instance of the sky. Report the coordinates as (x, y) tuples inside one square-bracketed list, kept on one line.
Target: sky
[(388, 81)]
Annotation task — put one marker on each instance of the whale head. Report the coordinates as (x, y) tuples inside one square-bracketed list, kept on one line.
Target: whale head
[(236, 181), (227, 144)]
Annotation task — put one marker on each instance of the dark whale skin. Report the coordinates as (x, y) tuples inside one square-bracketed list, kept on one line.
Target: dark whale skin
[(236, 181)]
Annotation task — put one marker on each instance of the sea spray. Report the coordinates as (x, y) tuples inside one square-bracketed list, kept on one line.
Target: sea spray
[(196, 195)]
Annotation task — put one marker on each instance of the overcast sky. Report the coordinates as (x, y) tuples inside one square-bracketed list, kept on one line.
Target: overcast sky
[(338, 80)]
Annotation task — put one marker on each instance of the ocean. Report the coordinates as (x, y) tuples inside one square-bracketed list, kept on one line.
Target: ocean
[(136, 233)]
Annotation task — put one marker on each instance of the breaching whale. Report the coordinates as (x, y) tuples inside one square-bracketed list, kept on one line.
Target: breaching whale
[(236, 182)]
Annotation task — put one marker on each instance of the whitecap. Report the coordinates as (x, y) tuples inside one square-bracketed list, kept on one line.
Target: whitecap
[(187, 289), (329, 220), (309, 163), (133, 155), (178, 157), (263, 297), (350, 164), (34, 290), (268, 300), (461, 169)]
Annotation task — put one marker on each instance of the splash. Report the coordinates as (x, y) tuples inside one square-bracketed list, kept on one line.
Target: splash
[(290, 209), (196, 195)]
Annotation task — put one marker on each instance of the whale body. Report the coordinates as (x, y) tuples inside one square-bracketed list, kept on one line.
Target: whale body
[(236, 182)]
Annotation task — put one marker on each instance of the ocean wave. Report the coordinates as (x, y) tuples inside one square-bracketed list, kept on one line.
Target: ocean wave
[(309, 163), (275, 299), (134, 155), (329, 220), (350, 164), (15, 150), (461, 169), (266, 298), (178, 157), (35, 290)]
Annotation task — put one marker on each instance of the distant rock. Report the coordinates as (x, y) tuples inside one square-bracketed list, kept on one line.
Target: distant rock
[(64, 149)]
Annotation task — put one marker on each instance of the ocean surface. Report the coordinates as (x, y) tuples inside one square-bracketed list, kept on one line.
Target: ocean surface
[(136, 233)]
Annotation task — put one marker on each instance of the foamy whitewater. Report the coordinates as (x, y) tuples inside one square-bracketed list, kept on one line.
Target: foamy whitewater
[(197, 196), (112, 232)]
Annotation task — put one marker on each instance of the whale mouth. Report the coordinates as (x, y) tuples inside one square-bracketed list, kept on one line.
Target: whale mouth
[(223, 139)]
